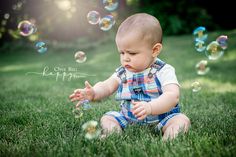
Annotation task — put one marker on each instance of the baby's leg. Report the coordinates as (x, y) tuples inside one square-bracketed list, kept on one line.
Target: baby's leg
[(177, 124), (109, 124)]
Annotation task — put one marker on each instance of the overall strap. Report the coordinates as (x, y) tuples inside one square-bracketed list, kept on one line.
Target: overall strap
[(156, 66), (121, 73)]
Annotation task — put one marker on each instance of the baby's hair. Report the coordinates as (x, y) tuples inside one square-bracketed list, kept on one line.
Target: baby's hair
[(147, 25)]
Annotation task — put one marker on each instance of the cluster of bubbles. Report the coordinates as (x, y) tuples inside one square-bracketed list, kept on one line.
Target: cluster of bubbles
[(105, 23), (90, 128), (213, 51), (27, 28)]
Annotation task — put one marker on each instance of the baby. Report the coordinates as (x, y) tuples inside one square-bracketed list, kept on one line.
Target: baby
[(146, 86)]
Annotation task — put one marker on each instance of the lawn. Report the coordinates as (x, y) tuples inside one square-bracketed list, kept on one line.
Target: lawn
[(36, 114)]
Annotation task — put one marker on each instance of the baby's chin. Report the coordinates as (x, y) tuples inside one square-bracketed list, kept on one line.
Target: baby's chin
[(134, 70)]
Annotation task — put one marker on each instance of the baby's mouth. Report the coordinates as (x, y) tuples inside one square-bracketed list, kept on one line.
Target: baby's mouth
[(128, 66)]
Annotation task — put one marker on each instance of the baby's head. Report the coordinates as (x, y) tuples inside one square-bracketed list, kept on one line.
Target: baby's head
[(139, 41)]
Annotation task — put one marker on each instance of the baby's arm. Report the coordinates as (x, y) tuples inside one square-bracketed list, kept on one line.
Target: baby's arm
[(96, 92), (166, 101), (162, 104), (105, 88)]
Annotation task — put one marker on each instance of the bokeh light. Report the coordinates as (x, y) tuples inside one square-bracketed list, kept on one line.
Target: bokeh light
[(80, 57), (214, 51), (6, 16), (64, 5)]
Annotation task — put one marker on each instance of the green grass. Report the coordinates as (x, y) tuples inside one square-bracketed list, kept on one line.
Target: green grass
[(36, 117)]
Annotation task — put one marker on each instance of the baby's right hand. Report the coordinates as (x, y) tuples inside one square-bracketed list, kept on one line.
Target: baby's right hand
[(83, 94)]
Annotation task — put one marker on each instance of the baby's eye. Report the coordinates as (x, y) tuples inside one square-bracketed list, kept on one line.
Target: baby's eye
[(122, 53), (132, 54)]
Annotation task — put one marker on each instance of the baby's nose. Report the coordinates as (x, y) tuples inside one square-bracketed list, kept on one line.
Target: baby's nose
[(126, 58)]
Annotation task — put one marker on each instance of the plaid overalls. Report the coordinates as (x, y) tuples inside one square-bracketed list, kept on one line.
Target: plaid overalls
[(143, 86)]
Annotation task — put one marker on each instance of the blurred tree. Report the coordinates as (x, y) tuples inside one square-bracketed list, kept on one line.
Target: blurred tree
[(177, 17), (62, 20)]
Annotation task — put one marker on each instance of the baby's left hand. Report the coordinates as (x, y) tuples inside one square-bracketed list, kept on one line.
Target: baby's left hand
[(141, 109)]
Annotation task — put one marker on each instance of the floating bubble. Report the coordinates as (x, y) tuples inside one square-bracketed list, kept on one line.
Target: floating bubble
[(222, 40), (80, 57), (200, 33), (41, 47), (77, 112), (202, 68), (200, 45), (112, 19), (214, 51), (26, 28), (106, 23), (93, 17), (86, 105), (110, 5), (196, 86), (91, 129)]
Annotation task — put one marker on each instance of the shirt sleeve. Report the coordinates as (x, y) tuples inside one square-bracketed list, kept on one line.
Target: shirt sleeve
[(114, 75), (167, 75)]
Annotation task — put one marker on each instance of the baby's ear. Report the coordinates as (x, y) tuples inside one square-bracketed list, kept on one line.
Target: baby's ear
[(156, 49)]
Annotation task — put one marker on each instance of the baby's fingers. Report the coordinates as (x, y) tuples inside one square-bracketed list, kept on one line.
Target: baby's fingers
[(136, 110), (76, 99), (78, 104)]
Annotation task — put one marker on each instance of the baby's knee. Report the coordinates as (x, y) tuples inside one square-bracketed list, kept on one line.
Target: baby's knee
[(110, 124), (108, 119), (185, 121)]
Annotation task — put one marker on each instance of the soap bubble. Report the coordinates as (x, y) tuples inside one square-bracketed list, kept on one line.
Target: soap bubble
[(111, 17), (77, 112), (41, 47), (222, 40), (110, 5), (106, 23), (80, 57), (200, 45), (91, 129), (214, 51), (93, 17), (26, 28), (86, 105), (200, 33), (202, 68), (196, 86)]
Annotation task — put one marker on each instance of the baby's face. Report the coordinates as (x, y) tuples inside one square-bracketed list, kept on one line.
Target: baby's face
[(136, 54)]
